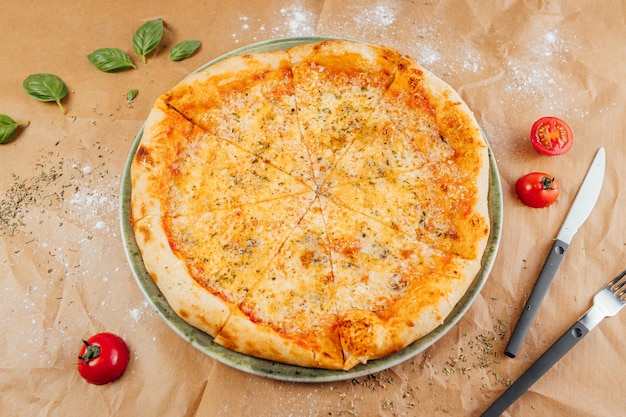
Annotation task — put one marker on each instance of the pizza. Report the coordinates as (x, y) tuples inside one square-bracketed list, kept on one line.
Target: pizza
[(320, 206)]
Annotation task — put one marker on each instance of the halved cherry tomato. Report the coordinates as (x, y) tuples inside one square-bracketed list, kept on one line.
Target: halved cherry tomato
[(103, 358), (537, 189), (551, 136)]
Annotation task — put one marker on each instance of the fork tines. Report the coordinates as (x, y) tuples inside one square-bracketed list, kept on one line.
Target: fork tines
[(618, 286)]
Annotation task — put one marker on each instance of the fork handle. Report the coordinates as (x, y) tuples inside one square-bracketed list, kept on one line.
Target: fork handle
[(536, 370)]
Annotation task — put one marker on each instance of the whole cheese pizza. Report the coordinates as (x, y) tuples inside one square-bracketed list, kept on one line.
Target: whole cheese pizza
[(319, 206)]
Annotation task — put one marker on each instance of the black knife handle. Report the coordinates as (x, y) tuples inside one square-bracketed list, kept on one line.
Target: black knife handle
[(557, 252), (536, 371)]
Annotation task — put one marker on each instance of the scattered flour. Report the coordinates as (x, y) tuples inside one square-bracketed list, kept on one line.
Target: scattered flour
[(539, 71), (293, 20), (428, 55), (380, 16), (136, 313), (244, 23), (94, 203), (298, 21)]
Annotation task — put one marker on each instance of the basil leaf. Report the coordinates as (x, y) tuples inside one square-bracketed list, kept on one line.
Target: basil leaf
[(147, 37), (132, 93), (45, 87), (184, 50), (110, 60), (8, 126)]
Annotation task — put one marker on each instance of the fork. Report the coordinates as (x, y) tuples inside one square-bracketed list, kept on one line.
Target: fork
[(607, 302)]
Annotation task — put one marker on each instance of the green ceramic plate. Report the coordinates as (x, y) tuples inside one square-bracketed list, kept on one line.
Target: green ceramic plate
[(280, 371)]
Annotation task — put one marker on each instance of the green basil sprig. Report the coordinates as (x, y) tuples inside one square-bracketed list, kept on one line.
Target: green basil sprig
[(8, 126), (110, 60), (147, 37), (45, 87), (184, 50)]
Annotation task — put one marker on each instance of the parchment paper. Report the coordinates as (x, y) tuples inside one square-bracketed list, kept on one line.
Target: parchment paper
[(64, 275)]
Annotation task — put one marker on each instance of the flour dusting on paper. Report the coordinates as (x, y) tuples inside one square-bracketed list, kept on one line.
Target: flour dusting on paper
[(289, 21), (379, 16), (540, 71), (532, 71), (360, 23), (298, 21)]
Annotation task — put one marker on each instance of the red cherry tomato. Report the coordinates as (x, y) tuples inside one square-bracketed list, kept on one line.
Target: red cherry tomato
[(103, 358), (551, 136), (537, 189)]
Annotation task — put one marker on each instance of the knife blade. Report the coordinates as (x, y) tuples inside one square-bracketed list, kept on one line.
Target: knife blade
[(581, 208), (606, 303)]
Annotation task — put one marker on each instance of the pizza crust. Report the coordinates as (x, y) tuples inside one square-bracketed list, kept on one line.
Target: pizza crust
[(320, 350), (322, 206), (163, 133)]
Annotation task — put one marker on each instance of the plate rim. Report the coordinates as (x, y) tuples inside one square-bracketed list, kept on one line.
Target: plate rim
[(280, 371)]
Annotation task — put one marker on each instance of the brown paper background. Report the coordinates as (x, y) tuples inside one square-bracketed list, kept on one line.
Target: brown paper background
[(63, 271)]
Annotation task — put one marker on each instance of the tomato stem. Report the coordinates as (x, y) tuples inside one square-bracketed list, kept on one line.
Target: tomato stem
[(91, 352), (547, 182)]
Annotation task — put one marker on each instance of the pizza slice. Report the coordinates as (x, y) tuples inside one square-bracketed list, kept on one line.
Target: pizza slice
[(249, 100), (213, 174), (227, 251), (206, 266), (181, 170), (290, 315), (337, 86), (438, 204), (390, 289), (370, 272), (403, 132), (432, 291)]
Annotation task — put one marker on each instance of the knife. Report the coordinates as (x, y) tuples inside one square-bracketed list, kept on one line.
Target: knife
[(606, 303), (581, 208)]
